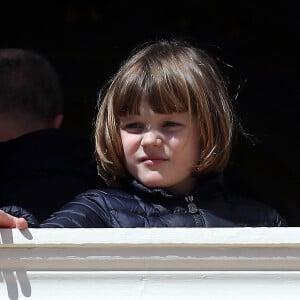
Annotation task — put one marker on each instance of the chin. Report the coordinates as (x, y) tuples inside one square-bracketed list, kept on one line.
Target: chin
[(153, 182)]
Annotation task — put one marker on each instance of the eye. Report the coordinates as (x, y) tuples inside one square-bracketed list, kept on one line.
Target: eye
[(134, 127), (171, 124)]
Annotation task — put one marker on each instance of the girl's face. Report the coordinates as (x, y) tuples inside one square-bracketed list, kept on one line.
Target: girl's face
[(161, 149)]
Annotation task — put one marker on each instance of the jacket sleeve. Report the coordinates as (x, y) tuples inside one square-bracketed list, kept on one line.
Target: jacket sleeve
[(21, 212), (279, 221), (86, 210)]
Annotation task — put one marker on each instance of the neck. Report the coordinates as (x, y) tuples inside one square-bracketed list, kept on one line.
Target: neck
[(183, 188), (15, 125), (14, 128)]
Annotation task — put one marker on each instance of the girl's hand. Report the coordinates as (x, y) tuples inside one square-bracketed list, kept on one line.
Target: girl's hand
[(8, 221)]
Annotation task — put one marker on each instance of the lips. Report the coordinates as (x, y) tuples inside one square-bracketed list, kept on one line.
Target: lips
[(151, 160)]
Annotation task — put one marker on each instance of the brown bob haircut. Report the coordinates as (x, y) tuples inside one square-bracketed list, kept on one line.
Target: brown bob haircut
[(174, 77)]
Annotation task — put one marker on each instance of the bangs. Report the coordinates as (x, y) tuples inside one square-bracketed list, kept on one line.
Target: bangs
[(163, 90)]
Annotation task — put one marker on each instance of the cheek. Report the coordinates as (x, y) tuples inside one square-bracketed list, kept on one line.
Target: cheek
[(129, 142), (195, 145), (196, 151), (184, 143), (191, 149), (196, 141)]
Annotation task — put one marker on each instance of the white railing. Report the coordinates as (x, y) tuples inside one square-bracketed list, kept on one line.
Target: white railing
[(156, 263)]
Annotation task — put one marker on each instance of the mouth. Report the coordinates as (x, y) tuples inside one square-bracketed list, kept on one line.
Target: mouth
[(149, 160)]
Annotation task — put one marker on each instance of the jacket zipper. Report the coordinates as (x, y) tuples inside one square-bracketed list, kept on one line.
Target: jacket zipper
[(195, 212)]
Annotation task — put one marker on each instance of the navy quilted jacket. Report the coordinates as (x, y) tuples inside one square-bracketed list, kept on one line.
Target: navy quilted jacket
[(139, 206)]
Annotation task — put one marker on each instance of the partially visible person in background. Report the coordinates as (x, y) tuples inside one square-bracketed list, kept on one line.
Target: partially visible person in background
[(41, 165)]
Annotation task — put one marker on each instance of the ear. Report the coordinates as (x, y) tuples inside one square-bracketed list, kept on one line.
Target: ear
[(57, 121)]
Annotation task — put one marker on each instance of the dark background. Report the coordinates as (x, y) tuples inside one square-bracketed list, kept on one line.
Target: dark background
[(256, 44)]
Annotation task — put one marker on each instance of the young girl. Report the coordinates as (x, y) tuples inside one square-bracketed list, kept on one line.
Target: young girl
[(163, 137)]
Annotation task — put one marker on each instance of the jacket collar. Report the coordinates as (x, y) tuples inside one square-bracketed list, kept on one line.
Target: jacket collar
[(207, 187)]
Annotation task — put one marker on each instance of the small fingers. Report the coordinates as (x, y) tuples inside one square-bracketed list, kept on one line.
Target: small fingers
[(21, 223), (8, 221)]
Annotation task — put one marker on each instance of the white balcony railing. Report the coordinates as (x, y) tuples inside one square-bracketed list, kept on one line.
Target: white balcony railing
[(141, 263)]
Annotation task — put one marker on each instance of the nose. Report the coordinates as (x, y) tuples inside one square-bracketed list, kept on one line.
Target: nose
[(152, 138)]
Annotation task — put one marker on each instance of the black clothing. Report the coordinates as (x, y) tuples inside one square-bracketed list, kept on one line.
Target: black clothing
[(43, 170), (138, 206), (21, 212)]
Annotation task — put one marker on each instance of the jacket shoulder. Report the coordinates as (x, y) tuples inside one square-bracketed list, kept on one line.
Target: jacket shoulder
[(249, 212), (89, 209)]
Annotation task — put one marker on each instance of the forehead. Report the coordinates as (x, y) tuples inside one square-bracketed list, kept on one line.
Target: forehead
[(154, 103), (144, 107), (147, 114)]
